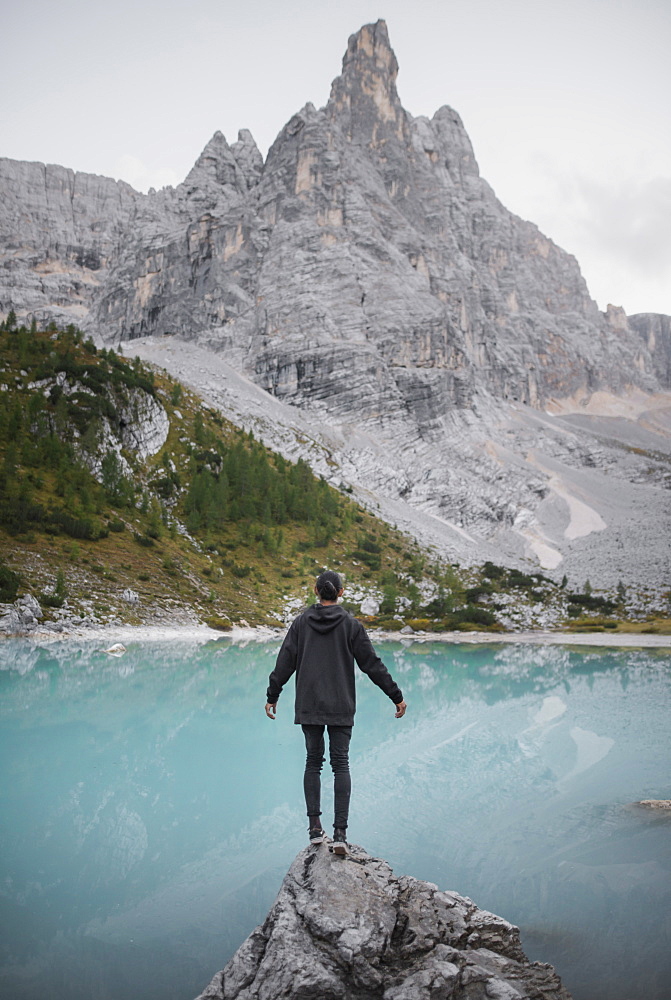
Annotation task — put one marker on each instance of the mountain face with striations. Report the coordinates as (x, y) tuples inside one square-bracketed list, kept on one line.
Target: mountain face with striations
[(366, 273)]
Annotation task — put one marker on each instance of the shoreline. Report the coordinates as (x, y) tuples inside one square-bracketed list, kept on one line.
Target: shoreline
[(110, 634)]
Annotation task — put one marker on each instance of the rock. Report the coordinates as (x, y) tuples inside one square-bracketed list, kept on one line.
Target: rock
[(407, 630), (144, 424), (370, 606), (29, 608), (21, 617), (248, 158), (349, 929), (654, 329), (664, 804), (116, 649), (10, 621), (129, 596)]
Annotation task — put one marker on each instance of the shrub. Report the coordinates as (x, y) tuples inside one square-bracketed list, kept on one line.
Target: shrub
[(369, 559), (144, 540), (591, 603), (51, 600), (474, 594), (77, 527), (439, 607), (9, 584), (474, 615), (220, 624)]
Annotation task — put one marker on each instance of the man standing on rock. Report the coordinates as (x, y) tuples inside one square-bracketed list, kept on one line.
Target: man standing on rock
[(320, 648)]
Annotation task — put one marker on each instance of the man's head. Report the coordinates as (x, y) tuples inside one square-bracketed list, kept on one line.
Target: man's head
[(328, 587)]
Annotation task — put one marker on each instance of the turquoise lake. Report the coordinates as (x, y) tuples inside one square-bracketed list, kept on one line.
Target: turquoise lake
[(149, 809)]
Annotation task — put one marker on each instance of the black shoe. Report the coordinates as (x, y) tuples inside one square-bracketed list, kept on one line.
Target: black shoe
[(339, 841), (316, 835)]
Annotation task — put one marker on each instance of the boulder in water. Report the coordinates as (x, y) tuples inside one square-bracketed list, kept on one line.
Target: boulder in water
[(349, 929)]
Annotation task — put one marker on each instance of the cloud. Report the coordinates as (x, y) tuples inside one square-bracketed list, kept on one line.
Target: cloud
[(615, 220), (132, 170), (630, 221)]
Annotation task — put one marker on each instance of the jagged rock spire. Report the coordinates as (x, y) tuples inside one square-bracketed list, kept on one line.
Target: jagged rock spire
[(216, 165), (248, 157), (364, 96)]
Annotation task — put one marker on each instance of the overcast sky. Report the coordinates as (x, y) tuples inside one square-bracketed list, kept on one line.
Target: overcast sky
[(567, 104)]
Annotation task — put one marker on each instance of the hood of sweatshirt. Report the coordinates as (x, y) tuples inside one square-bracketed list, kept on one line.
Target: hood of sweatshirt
[(325, 617)]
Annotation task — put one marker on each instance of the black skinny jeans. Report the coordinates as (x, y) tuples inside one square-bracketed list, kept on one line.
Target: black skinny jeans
[(339, 737)]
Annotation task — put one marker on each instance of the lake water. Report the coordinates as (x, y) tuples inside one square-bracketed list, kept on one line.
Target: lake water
[(149, 810)]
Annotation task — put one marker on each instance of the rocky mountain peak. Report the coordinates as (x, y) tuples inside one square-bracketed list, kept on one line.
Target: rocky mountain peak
[(216, 164), (248, 157), (369, 53), (364, 97)]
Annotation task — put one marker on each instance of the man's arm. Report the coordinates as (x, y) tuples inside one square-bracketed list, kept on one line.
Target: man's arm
[(285, 666), (372, 665)]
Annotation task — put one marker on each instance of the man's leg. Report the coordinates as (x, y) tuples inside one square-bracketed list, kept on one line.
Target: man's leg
[(314, 746), (339, 737)]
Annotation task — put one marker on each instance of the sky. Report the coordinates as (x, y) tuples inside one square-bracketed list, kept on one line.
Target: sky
[(567, 104)]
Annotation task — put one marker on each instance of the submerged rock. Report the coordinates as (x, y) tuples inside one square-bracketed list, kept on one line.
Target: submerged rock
[(117, 649), (349, 929)]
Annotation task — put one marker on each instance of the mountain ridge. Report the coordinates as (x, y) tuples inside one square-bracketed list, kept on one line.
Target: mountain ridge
[(418, 203), (367, 275)]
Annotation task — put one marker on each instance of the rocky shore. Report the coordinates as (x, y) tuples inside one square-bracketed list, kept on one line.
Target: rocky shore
[(25, 619), (349, 929)]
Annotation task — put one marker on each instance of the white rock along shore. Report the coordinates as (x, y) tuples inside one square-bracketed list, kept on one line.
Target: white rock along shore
[(108, 635)]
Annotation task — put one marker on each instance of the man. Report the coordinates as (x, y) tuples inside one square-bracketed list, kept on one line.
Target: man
[(320, 648)]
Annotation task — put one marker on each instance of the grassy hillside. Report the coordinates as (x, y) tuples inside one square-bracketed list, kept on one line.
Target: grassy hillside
[(211, 526)]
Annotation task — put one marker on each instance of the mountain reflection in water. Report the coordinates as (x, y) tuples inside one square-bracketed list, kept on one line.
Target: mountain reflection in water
[(150, 810)]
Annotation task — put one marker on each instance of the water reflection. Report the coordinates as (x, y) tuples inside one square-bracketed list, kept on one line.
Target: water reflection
[(150, 810)]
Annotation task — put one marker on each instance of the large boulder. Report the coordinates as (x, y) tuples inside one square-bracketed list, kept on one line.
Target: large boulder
[(349, 929), (20, 617)]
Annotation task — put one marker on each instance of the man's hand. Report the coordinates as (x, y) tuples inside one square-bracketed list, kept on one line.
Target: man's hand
[(271, 709), (400, 710)]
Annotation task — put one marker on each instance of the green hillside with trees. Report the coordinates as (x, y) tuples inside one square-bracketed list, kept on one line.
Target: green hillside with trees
[(214, 526), (211, 526)]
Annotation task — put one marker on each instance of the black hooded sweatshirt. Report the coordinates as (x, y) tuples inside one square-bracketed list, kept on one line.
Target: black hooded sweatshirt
[(320, 647)]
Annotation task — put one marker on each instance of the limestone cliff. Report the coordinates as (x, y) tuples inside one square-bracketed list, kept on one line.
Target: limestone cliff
[(60, 231), (654, 330), (349, 929), (365, 264)]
